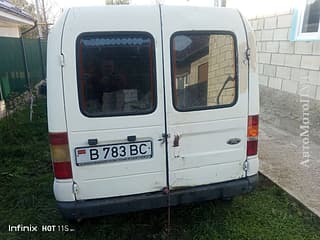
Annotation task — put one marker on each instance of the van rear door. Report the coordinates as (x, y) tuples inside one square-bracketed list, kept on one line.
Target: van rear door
[(113, 90), (207, 89)]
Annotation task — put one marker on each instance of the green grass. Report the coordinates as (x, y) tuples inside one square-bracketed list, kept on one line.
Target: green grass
[(26, 197)]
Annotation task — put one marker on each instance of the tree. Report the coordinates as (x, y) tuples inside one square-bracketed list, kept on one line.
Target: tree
[(25, 6), (116, 2), (28, 8), (48, 14)]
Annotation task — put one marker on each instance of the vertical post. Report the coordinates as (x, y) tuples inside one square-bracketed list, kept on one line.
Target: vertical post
[(1, 94), (2, 102), (45, 19), (26, 68), (27, 77), (41, 59), (26, 74), (39, 19)]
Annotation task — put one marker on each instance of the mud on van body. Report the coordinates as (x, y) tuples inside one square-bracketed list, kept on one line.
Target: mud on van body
[(143, 100)]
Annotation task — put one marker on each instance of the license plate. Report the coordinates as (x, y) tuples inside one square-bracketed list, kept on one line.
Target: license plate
[(114, 152)]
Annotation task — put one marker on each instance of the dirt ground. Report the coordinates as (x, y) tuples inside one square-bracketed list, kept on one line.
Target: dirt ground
[(281, 159)]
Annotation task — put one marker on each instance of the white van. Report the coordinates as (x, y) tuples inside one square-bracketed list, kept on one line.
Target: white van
[(147, 103)]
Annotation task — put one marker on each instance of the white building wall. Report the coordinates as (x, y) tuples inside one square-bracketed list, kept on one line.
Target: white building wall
[(9, 32), (289, 71), (283, 64)]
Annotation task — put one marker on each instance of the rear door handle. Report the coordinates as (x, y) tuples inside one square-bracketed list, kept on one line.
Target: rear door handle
[(164, 138), (234, 141)]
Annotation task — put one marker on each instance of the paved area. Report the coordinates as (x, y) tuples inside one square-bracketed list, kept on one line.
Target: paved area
[(281, 159)]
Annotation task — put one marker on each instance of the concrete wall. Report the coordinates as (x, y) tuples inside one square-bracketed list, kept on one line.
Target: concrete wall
[(289, 75), (290, 66)]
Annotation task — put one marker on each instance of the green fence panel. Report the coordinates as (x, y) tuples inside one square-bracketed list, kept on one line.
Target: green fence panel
[(12, 63), (5, 86), (34, 62)]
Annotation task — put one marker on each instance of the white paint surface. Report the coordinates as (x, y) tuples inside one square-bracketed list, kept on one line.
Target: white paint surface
[(203, 156), (9, 31)]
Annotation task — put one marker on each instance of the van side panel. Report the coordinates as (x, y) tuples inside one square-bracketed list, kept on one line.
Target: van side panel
[(55, 99), (253, 72), (253, 97)]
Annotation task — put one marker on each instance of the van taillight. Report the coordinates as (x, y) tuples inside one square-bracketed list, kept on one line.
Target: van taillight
[(253, 132), (60, 155)]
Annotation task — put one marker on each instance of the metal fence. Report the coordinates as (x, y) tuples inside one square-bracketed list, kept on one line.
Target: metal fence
[(20, 60)]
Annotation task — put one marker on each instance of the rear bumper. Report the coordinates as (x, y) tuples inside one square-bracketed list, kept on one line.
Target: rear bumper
[(107, 206)]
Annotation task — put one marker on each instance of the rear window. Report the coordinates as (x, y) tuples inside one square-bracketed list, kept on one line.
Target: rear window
[(203, 70), (116, 74)]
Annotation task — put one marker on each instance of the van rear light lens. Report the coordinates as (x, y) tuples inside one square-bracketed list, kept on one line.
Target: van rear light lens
[(252, 135), (253, 126), (58, 138), (252, 147), (62, 170), (60, 155)]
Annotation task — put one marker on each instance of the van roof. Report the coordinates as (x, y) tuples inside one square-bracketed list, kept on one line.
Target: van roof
[(224, 18), (150, 5), (182, 8)]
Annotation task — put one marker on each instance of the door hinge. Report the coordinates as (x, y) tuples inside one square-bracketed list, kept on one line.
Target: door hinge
[(75, 189), (246, 167), (61, 60), (248, 54)]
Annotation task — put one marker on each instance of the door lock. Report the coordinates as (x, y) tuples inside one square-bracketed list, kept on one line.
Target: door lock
[(164, 138)]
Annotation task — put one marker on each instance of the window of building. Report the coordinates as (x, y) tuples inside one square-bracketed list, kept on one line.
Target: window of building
[(116, 74), (306, 22), (203, 70)]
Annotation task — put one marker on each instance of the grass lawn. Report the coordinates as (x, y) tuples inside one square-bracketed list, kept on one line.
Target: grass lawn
[(26, 197)]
